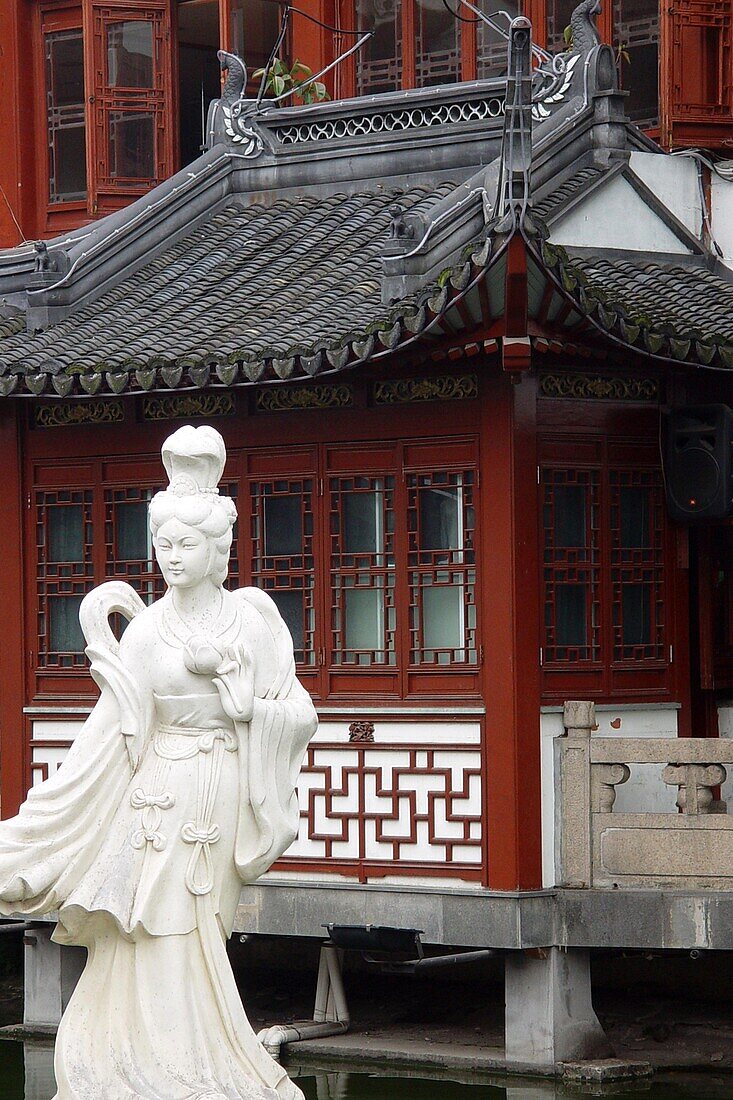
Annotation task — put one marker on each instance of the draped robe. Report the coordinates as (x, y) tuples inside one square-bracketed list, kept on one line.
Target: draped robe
[(141, 841)]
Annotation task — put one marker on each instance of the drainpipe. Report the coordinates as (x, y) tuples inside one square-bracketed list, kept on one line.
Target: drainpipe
[(330, 1013)]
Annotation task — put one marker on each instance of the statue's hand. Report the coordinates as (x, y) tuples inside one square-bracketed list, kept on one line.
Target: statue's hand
[(234, 681)]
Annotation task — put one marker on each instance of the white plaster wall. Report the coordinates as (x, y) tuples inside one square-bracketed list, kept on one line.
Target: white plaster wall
[(644, 791), (442, 780), (674, 182), (51, 740), (721, 215), (616, 216)]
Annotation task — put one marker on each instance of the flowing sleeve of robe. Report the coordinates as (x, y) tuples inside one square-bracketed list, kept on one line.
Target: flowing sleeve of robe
[(46, 849), (271, 751)]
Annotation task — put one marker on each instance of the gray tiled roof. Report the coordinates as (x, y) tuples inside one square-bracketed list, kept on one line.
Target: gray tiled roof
[(253, 283), (553, 203), (667, 308), (685, 298)]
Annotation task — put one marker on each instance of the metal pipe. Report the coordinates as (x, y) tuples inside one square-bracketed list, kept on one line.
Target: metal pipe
[(16, 926), (272, 1038), (413, 966)]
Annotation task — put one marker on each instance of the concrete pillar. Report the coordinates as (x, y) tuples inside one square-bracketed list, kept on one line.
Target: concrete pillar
[(51, 974), (40, 1082), (549, 1015)]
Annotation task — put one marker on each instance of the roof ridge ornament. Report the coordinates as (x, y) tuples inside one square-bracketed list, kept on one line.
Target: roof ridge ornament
[(560, 76), (583, 26), (232, 106), (515, 165)]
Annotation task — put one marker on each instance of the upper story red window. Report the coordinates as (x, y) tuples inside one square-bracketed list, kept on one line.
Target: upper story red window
[(374, 572), (608, 611)]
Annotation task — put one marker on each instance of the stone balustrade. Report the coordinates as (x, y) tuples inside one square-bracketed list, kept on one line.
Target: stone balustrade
[(690, 848)]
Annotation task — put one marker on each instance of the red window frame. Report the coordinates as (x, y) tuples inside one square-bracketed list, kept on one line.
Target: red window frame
[(603, 665), (54, 18), (107, 191), (409, 675)]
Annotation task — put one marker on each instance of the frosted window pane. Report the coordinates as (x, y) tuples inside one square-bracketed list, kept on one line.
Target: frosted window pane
[(443, 617), (133, 540), (440, 528), (283, 525), (66, 534), (65, 632), (362, 523), (364, 618)]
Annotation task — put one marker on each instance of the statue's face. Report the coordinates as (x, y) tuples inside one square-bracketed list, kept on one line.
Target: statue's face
[(183, 554)]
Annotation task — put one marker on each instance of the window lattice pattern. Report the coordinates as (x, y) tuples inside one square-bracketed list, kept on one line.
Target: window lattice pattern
[(491, 46), (362, 567), (65, 115), (571, 565), (282, 528), (636, 32), (442, 567), (379, 67), (637, 565), (129, 552), (558, 18), (437, 46), (65, 573), (391, 804)]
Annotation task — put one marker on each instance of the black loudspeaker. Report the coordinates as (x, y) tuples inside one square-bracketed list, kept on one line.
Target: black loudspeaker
[(699, 462)]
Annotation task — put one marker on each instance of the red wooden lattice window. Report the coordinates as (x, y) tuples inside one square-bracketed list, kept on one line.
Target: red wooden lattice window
[(607, 624), (637, 565), (442, 567), (72, 558), (571, 566), (369, 553), (282, 535), (697, 90), (65, 573), (372, 603), (65, 103), (421, 43), (131, 146), (362, 569), (128, 542)]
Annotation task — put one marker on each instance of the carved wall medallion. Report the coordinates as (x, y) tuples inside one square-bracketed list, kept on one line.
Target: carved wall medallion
[(189, 405), (442, 388), (362, 731), (598, 387), (288, 398), (62, 415)]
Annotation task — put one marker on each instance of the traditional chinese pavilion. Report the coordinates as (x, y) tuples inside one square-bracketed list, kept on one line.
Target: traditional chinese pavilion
[(466, 345)]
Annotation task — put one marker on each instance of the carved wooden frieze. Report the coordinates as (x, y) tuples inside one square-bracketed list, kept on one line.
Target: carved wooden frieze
[(440, 388), (62, 415), (291, 398), (599, 387), (189, 406)]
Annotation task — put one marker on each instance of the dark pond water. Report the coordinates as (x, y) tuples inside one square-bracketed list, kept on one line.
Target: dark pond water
[(27, 1074)]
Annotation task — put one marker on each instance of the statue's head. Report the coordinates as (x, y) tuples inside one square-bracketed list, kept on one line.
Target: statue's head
[(194, 461)]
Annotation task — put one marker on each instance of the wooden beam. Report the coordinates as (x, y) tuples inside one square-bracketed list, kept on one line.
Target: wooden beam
[(12, 653), (510, 602), (515, 288)]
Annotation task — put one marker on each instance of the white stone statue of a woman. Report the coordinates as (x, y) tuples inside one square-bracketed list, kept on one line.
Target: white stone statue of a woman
[(179, 788)]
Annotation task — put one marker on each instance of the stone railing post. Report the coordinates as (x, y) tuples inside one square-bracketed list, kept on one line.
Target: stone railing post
[(573, 830), (695, 783), (604, 778)]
